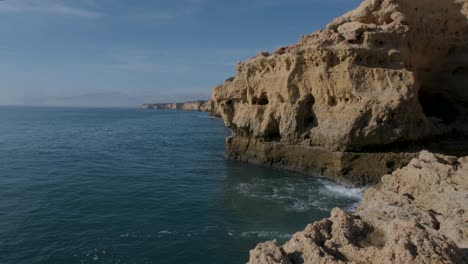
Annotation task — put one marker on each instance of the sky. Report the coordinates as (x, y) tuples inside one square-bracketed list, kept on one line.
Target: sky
[(128, 52)]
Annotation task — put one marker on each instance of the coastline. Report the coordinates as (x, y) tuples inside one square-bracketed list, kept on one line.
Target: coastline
[(404, 219), (359, 102), (199, 105)]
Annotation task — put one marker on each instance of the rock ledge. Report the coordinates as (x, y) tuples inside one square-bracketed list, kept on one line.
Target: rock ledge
[(418, 214)]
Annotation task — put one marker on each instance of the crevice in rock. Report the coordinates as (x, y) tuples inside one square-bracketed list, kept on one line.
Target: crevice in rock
[(435, 222), (307, 113), (336, 254), (272, 131), (390, 165), (296, 258), (437, 105), (375, 238), (261, 100)]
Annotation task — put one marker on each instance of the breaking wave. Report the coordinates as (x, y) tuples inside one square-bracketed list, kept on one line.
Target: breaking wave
[(302, 194)]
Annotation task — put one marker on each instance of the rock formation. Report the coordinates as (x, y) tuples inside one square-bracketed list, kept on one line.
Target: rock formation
[(206, 107), (346, 102), (418, 214)]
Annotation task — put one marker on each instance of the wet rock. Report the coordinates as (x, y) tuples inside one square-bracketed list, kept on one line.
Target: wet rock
[(416, 215)]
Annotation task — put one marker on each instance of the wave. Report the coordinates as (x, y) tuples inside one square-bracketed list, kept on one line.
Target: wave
[(265, 234), (211, 229), (344, 191), (303, 194)]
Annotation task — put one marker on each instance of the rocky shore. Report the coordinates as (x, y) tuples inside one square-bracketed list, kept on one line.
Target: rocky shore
[(418, 214), (359, 100)]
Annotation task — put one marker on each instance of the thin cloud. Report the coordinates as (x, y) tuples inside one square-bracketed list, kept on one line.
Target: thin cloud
[(45, 7), (183, 8), (153, 16), (89, 9)]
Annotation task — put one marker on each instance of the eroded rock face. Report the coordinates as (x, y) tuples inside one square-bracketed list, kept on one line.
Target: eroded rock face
[(418, 214), (206, 107), (269, 253), (344, 167), (389, 72)]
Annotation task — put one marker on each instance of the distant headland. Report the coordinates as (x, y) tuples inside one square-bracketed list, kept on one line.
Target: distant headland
[(198, 105)]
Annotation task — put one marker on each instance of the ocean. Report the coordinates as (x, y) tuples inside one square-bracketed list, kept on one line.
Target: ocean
[(84, 185)]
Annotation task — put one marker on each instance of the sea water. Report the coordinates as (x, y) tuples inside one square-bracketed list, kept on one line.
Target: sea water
[(134, 186)]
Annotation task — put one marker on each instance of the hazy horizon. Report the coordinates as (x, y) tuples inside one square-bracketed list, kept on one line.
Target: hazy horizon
[(107, 100), (124, 53)]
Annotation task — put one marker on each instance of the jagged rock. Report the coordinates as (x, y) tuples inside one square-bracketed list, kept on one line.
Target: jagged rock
[(432, 189), (418, 214), (388, 73), (269, 253), (352, 31)]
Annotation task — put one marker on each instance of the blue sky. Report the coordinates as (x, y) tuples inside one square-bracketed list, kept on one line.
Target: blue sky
[(126, 52)]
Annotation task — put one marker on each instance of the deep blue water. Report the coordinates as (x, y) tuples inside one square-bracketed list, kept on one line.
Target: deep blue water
[(134, 186)]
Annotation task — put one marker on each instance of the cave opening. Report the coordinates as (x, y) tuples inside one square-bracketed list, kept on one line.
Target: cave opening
[(309, 120), (438, 105), (262, 100)]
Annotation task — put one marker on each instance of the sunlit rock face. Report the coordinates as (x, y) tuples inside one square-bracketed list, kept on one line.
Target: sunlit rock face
[(389, 73), (416, 215)]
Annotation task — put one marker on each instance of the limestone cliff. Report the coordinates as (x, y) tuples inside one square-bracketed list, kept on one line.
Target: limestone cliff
[(389, 73), (202, 106), (206, 107), (419, 214)]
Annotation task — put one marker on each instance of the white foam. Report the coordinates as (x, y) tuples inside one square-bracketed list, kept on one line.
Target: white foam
[(307, 205), (265, 234), (302, 195), (209, 228), (165, 232), (353, 207), (340, 190)]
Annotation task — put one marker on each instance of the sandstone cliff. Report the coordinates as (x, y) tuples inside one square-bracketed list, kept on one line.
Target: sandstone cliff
[(419, 214), (389, 73)]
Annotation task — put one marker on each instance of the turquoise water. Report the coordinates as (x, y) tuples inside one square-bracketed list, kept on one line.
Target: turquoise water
[(134, 186)]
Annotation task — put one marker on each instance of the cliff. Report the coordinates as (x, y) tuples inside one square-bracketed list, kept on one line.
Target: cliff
[(202, 106), (419, 214), (348, 102)]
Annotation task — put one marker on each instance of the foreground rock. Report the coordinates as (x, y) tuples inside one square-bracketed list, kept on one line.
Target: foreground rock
[(418, 214), (389, 73)]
